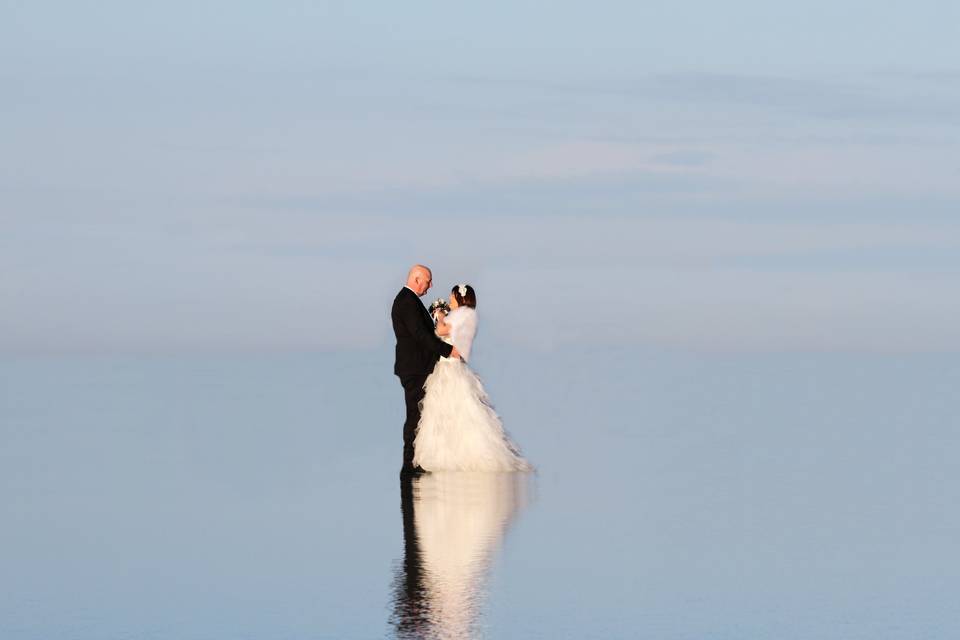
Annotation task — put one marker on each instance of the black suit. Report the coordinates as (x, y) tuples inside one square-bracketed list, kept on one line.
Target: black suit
[(418, 349)]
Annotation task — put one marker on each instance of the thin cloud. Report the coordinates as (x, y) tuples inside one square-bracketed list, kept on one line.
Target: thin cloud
[(871, 96)]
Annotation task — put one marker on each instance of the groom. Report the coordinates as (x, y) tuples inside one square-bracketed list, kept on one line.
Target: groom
[(418, 349)]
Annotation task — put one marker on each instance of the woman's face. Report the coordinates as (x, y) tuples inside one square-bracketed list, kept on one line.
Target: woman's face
[(453, 302)]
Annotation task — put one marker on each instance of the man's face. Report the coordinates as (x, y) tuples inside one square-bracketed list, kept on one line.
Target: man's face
[(426, 281)]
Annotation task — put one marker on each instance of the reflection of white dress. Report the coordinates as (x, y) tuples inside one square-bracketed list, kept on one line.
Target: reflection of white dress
[(459, 430), (460, 520)]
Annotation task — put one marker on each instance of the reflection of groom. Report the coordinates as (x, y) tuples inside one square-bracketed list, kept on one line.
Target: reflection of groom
[(418, 349)]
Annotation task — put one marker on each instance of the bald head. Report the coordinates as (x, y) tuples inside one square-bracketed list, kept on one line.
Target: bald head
[(419, 279)]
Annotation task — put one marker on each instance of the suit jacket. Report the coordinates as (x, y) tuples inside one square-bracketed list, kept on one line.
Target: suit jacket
[(418, 347)]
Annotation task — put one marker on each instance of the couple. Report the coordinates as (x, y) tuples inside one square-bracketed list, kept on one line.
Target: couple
[(450, 424)]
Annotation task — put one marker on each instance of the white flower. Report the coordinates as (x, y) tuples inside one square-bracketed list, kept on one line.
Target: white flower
[(463, 289)]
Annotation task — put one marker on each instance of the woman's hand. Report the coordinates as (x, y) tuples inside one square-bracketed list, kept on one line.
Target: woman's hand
[(442, 327)]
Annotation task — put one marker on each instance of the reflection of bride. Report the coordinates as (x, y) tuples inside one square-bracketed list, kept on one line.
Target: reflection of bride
[(453, 524)]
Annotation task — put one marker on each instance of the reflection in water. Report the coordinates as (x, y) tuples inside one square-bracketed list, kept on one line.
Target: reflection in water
[(452, 525)]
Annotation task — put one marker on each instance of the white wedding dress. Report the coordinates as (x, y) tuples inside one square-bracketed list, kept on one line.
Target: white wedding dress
[(459, 430)]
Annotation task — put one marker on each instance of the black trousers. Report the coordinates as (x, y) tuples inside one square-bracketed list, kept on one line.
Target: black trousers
[(413, 393)]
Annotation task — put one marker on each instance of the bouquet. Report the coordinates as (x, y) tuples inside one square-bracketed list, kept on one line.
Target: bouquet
[(441, 305)]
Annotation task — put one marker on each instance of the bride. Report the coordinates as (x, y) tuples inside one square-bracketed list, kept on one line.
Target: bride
[(459, 430)]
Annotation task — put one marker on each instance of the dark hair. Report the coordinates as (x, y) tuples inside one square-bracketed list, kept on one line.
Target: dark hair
[(469, 299)]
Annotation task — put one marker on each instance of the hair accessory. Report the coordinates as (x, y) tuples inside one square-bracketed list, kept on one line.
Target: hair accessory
[(462, 288)]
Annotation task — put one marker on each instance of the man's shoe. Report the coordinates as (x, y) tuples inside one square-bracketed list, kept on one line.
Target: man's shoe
[(412, 472)]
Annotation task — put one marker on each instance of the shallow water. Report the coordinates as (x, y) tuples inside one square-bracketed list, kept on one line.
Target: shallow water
[(677, 496)]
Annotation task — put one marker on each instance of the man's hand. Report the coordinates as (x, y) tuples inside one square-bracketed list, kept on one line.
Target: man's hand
[(455, 353)]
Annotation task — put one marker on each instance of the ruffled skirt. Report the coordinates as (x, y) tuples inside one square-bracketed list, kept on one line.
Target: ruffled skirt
[(459, 430)]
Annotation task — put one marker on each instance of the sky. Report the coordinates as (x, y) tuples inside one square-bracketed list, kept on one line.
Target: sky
[(238, 176)]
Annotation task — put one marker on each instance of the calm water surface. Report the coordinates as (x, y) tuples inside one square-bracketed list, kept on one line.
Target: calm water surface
[(677, 496)]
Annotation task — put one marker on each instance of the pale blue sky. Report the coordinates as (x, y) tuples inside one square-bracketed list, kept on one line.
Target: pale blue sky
[(745, 176)]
